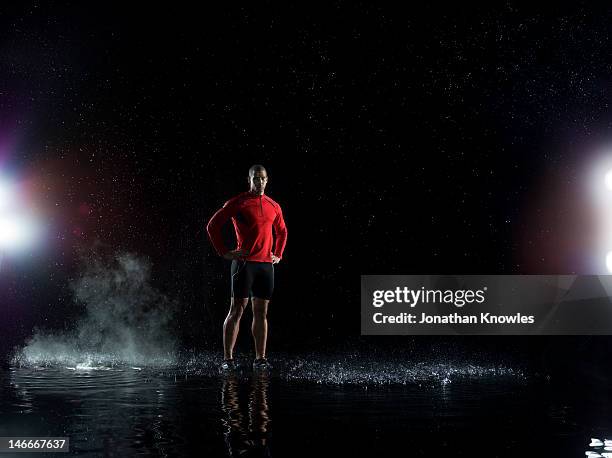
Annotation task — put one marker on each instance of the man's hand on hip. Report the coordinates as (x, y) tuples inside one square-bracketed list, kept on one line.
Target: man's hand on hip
[(275, 259)]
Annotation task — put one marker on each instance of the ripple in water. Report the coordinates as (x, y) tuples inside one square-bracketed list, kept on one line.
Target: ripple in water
[(75, 360)]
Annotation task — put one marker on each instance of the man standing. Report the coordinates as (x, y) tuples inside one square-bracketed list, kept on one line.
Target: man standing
[(253, 215)]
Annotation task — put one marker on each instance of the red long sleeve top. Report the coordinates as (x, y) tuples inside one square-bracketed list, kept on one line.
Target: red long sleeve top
[(253, 217)]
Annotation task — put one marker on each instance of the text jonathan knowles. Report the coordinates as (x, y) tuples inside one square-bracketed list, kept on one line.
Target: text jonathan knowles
[(453, 318)]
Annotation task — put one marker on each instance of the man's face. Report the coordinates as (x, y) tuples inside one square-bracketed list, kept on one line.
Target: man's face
[(258, 181)]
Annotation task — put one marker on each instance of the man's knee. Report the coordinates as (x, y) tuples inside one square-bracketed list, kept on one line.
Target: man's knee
[(260, 308), (237, 306)]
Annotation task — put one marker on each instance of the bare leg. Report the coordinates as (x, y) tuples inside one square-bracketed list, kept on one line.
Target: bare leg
[(231, 326), (260, 325)]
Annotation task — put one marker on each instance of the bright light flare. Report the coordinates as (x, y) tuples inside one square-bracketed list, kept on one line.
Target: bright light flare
[(6, 195), (599, 182), (9, 232), (17, 232), (608, 180), (20, 229), (609, 261)]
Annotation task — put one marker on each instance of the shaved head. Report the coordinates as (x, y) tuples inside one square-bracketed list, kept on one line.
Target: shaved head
[(256, 168), (258, 179)]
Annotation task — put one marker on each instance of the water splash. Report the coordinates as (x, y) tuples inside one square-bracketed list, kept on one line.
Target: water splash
[(39, 356), (126, 320), (362, 369), (355, 369)]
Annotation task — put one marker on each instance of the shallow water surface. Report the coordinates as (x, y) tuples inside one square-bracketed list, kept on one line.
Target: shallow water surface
[(338, 404)]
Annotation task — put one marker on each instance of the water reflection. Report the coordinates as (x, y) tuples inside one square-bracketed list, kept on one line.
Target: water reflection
[(246, 428), (100, 410), (349, 406)]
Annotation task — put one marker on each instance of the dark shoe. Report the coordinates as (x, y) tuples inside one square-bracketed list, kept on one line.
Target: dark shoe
[(227, 366), (261, 364)]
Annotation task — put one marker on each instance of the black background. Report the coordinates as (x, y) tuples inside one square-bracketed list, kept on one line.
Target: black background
[(397, 141)]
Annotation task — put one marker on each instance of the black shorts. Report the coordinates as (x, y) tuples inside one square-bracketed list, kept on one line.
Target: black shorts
[(251, 278)]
